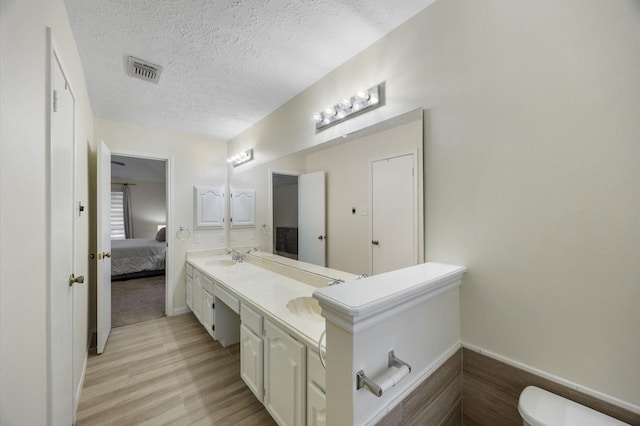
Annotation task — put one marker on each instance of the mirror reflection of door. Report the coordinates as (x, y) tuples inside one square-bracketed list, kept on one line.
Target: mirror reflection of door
[(312, 235), (299, 216), (393, 213)]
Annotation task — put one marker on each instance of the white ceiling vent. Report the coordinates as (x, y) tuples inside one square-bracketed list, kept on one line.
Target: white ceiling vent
[(144, 70)]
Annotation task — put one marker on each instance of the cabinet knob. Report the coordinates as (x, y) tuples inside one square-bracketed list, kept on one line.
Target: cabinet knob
[(375, 242)]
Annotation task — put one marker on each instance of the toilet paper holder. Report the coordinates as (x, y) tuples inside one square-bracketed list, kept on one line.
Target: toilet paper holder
[(396, 371)]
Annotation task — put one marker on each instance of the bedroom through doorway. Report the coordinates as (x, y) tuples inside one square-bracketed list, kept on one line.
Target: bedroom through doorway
[(138, 219)]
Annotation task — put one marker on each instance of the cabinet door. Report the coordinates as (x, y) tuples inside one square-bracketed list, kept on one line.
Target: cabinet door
[(251, 360), (209, 207), (284, 376), (190, 292), (207, 311), (197, 295), (243, 207), (316, 406)]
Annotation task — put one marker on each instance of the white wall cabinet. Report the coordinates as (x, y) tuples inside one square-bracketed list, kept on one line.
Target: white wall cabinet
[(284, 376), (208, 207), (243, 207)]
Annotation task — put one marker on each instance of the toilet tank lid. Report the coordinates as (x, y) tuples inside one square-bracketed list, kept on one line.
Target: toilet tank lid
[(541, 408)]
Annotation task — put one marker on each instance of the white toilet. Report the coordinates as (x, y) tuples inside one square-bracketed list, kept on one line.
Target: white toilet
[(538, 407)]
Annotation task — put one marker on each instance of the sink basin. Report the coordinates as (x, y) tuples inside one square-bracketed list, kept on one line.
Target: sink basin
[(221, 262), (307, 307)]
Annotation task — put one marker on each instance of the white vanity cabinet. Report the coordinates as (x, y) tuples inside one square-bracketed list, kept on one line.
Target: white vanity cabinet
[(251, 349), (197, 294), (316, 391), (190, 286), (284, 376), (208, 311)]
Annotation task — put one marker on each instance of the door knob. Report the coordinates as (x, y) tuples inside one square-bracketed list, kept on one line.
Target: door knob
[(108, 254), (320, 237), (375, 242), (73, 279)]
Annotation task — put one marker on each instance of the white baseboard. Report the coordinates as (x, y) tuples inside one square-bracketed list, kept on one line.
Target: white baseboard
[(555, 379)]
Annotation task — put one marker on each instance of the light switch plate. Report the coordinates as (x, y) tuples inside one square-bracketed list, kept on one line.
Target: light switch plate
[(196, 238), (363, 211)]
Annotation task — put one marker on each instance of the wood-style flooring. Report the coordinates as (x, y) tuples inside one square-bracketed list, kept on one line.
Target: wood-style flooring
[(167, 371)]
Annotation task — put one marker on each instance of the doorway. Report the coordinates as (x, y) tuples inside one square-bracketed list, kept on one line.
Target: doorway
[(152, 218), (138, 239)]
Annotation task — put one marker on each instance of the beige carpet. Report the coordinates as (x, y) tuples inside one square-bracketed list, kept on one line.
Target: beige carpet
[(137, 300)]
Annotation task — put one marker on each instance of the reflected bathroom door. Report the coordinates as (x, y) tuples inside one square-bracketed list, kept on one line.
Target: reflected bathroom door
[(394, 236), (312, 218)]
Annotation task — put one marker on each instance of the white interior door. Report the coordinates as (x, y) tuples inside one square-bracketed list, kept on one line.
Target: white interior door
[(103, 249), (61, 249), (312, 218), (393, 214)]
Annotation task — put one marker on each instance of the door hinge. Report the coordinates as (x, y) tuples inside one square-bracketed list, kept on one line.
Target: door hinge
[(213, 327), (55, 101), (213, 306)]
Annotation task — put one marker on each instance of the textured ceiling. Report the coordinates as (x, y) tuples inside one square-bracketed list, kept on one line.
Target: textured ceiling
[(226, 64)]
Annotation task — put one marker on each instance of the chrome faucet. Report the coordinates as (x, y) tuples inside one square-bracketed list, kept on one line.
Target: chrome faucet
[(334, 282), (237, 256), (361, 276), (252, 249)]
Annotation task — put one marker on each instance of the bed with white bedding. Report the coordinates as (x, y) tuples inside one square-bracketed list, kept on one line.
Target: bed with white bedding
[(137, 255)]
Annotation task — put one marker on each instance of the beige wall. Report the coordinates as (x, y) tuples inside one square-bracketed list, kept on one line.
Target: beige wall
[(532, 170), (195, 161), (23, 207)]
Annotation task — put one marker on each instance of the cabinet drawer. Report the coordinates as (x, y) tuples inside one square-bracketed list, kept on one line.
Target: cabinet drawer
[(251, 319), (316, 373), (207, 284), (228, 299), (189, 270)]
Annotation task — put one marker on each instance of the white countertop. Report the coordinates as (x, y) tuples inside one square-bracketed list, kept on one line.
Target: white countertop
[(267, 291), (362, 303)]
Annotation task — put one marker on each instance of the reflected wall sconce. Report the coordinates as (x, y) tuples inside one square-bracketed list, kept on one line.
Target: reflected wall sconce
[(364, 100), (240, 158)]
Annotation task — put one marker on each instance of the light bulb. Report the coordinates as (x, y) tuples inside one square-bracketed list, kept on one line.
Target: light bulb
[(362, 95), (317, 117), (345, 103), (330, 111)]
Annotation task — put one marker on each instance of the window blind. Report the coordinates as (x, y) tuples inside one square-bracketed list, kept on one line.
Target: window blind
[(117, 215)]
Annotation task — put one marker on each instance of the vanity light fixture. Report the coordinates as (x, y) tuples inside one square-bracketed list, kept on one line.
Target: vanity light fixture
[(240, 158), (363, 100)]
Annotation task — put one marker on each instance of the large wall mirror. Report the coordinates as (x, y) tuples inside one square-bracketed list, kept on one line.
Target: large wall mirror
[(354, 204)]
